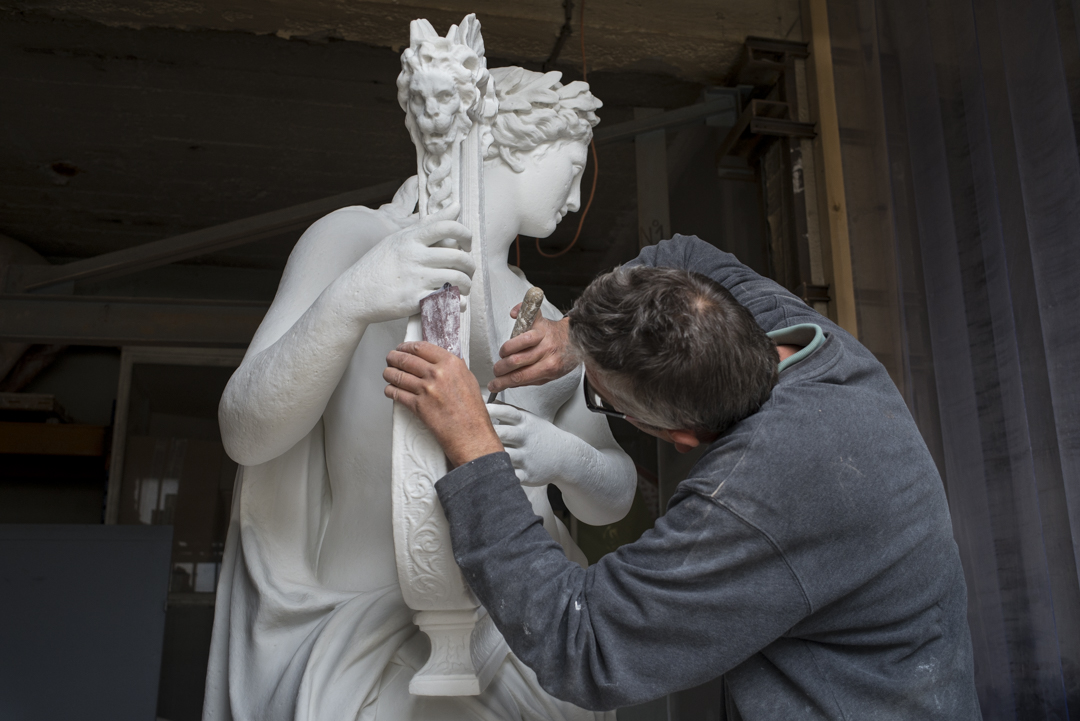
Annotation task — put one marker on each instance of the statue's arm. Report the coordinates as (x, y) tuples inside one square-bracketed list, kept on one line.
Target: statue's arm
[(603, 486), (348, 270), (303, 344), (576, 452)]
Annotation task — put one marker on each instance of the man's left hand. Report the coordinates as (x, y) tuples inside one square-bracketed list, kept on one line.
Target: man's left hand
[(440, 389)]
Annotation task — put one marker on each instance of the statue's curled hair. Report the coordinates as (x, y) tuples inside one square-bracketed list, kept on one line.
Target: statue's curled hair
[(536, 109)]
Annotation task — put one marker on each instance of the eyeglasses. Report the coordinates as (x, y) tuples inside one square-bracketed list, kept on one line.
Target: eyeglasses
[(595, 403)]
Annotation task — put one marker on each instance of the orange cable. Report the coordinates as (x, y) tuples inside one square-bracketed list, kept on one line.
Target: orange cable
[(596, 161), (581, 222)]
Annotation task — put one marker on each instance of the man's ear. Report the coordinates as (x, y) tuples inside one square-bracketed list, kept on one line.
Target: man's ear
[(684, 441)]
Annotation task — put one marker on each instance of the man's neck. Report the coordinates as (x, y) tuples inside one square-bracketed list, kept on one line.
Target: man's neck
[(786, 351)]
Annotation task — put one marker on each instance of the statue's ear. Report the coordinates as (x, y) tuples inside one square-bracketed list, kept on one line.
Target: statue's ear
[(512, 159)]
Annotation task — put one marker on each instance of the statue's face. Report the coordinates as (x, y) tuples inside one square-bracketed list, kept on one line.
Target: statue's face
[(550, 187), (434, 101)]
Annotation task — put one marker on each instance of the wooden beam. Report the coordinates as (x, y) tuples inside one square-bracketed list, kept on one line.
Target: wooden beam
[(830, 168), (30, 402), (35, 405), (725, 108), (52, 439), (26, 278), (89, 320), (650, 147)]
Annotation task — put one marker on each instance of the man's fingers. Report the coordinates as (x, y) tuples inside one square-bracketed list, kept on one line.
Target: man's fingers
[(526, 340), (518, 360), (403, 397), (404, 380), (420, 349), (410, 365), (529, 374), (515, 310), (542, 328)]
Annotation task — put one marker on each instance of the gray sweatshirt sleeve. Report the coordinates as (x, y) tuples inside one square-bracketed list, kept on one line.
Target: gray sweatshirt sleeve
[(696, 595), (772, 305)]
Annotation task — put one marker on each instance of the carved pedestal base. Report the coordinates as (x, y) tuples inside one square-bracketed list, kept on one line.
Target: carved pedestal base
[(466, 650)]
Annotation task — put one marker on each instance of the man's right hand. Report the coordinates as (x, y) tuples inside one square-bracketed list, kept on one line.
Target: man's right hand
[(534, 358)]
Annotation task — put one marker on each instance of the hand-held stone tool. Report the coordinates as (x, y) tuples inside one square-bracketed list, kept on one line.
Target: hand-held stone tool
[(530, 308)]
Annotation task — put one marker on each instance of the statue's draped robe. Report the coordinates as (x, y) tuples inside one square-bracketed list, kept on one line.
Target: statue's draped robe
[(285, 647)]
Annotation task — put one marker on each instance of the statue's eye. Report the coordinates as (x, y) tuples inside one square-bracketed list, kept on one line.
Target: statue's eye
[(445, 96)]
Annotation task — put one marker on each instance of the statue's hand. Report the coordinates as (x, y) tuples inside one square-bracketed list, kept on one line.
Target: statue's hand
[(389, 281), (540, 451)]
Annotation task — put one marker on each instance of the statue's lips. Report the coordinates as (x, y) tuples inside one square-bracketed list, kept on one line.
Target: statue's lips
[(437, 128)]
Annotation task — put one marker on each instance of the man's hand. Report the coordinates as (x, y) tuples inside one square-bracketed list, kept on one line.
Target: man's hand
[(534, 358), (438, 387)]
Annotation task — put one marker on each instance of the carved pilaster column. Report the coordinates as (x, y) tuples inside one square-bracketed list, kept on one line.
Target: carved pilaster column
[(447, 94)]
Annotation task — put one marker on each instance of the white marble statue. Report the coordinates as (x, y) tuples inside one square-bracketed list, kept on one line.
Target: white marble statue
[(311, 622)]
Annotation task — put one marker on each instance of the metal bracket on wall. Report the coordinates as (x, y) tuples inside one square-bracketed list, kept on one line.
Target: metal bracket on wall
[(771, 139), (762, 118), (765, 59), (813, 293)]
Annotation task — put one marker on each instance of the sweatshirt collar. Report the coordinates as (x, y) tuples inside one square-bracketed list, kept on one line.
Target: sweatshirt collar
[(808, 335)]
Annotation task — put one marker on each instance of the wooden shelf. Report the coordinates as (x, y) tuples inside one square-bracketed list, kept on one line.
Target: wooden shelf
[(52, 439)]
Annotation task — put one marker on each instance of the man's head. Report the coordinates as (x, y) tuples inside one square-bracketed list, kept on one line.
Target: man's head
[(673, 349)]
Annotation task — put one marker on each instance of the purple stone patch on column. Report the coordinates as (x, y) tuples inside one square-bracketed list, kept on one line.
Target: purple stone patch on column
[(440, 318)]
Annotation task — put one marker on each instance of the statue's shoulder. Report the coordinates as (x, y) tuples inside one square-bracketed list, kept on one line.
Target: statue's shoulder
[(353, 230)]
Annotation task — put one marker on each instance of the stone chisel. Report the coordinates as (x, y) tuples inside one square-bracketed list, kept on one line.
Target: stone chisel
[(530, 308)]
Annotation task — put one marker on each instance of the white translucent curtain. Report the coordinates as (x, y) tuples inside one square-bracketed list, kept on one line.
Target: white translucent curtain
[(958, 128)]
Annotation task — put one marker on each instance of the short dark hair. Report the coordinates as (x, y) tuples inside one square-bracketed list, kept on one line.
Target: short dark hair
[(675, 347)]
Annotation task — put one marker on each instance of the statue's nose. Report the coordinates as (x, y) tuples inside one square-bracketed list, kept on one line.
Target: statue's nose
[(432, 106)]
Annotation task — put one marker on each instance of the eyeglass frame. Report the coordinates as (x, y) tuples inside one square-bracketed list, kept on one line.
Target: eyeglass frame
[(591, 404)]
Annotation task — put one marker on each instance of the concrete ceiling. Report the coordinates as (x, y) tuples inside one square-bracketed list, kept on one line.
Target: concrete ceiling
[(127, 122), (695, 40)]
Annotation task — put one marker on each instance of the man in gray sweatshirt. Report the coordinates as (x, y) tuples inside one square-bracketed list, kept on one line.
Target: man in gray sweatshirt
[(809, 556)]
